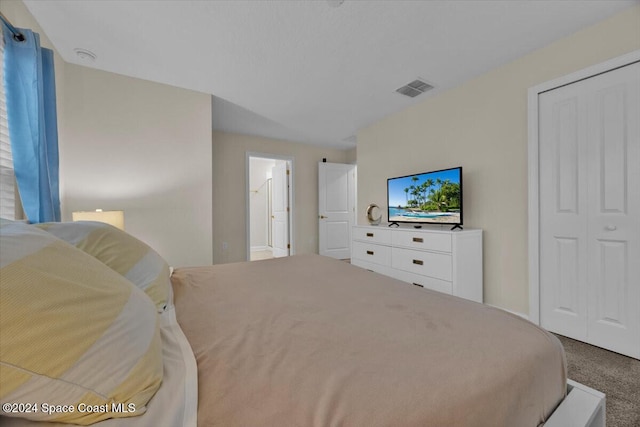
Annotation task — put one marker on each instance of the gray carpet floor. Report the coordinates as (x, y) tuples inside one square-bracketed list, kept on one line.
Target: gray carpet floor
[(611, 373)]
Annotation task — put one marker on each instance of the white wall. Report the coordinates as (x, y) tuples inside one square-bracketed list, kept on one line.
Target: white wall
[(145, 148), (482, 125), (260, 172)]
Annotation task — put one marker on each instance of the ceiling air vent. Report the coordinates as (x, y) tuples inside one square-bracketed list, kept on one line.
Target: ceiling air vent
[(414, 88)]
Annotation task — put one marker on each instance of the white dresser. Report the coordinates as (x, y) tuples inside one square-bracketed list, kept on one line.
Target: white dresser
[(445, 261)]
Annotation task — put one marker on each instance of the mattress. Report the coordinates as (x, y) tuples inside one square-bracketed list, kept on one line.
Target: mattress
[(311, 341)]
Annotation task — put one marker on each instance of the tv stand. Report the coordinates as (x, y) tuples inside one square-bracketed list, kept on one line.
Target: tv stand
[(444, 261), (394, 223), (456, 226)]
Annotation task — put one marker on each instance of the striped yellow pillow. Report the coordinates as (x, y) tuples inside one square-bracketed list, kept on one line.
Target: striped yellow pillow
[(130, 257), (73, 332)]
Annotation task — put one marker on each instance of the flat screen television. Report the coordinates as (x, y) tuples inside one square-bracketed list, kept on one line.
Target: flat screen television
[(426, 198)]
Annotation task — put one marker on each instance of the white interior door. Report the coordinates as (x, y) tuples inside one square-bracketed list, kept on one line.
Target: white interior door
[(280, 210), (336, 203), (589, 148), (613, 170), (563, 201)]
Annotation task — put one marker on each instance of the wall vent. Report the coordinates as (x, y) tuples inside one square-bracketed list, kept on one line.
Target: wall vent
[(414, 88)]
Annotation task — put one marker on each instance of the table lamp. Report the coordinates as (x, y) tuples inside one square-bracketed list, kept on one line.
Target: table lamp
[(115, 218)]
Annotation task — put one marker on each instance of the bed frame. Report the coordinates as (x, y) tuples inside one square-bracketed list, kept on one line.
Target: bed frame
[(583, 407)]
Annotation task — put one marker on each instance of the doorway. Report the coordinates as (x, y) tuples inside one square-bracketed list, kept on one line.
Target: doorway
[(269, 196)]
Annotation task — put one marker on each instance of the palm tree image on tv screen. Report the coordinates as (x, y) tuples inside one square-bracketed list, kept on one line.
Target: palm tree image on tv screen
[(432, 197)]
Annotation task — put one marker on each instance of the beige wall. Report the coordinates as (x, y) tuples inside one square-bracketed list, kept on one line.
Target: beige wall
[(352, 156), (145, 148), (482, 125), (229, 183)]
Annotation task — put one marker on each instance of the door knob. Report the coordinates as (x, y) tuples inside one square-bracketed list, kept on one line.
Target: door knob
[(322, 217), (611, 227)]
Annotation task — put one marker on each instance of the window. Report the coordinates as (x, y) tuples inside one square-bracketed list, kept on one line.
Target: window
[(8, 189)]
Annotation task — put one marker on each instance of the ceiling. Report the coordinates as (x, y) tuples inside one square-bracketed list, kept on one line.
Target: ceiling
[(308, 71)]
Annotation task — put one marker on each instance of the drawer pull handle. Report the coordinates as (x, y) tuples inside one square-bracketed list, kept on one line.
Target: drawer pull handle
[(418, 284), (418, 262), (369, 252), (369, 234), (418, 239)]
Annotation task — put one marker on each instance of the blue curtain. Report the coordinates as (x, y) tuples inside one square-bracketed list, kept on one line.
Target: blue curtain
[(33, 130)]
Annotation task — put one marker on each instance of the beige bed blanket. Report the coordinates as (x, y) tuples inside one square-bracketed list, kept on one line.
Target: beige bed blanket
[(311, 341)]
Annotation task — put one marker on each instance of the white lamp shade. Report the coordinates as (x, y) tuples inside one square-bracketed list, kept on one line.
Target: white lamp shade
[(115, 218)]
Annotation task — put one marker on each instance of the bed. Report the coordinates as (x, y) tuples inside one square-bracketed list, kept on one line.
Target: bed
[(311, 341)]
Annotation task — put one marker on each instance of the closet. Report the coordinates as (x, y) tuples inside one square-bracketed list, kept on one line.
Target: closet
[(589, 209)]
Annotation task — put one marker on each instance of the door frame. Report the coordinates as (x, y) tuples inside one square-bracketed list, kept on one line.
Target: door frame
[(534, 164), (247, 192)]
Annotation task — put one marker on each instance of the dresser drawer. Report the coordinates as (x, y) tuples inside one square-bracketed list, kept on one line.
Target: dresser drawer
[(377, 254), (370, 234), (440, 242), (426, 282), (373, 267), (424, 263)]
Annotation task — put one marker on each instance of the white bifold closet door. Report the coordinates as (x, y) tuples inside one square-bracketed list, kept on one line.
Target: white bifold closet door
[(589, 141)]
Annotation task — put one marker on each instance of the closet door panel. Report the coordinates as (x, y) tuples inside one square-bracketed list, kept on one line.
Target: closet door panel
[(563, 238), (589, 153), (613, 108)]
